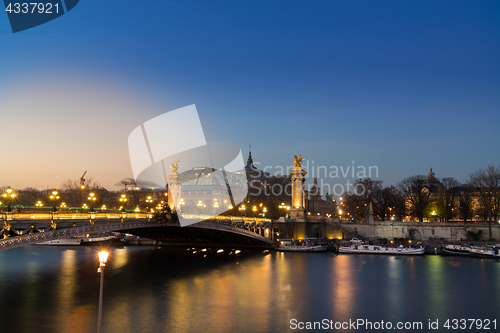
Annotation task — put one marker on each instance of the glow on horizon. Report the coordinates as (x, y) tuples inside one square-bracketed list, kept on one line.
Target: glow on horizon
[(59, 128)]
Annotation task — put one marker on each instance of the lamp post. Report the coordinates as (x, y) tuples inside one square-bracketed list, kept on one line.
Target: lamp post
[(54, 197), (123, 200), (82, 188), (92, 199), (9, 195), (242, 209), (149, 201), (103, 257)]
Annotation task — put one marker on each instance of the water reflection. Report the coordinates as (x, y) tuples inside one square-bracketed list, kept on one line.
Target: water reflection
[(65, 293), (152, 290), (345, 286)]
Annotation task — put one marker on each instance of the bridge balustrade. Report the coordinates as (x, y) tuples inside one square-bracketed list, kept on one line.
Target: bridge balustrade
[(74, 216)]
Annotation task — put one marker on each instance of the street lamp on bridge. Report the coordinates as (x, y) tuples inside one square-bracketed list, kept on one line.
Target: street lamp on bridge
[(242, 209), (9, 195), (92, 198), (149, 201), (54, 197), (123, 200)]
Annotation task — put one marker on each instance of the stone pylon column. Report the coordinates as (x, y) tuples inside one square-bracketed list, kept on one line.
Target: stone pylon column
[(174, 187), (370, 214), (297, 212)]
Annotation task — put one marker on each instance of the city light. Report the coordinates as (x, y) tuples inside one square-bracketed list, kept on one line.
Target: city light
[(9, 195), (103, 257), (123, 199), (92, 198), (54, 197)]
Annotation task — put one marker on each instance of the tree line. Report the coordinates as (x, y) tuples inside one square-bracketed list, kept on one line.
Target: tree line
[(419, 197), (72, 195)]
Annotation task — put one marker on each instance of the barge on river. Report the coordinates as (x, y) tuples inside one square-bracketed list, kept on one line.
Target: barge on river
[(357, 246)]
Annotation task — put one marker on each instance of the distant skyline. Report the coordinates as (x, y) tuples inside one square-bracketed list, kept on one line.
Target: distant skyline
[(401, 86)]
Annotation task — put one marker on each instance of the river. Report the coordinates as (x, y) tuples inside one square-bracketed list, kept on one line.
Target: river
[(159, 289)]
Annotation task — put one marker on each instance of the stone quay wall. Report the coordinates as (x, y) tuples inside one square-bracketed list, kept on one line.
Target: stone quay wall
[(422, 230)]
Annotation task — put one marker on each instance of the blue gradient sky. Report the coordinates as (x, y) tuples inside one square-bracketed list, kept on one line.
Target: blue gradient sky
[(401, 85)]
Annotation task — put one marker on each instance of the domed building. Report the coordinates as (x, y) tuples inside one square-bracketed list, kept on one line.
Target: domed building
[(207, 190)]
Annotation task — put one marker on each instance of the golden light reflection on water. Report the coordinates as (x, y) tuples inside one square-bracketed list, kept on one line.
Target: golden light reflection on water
[(80, 319), (65, 293), (258, 292), (119, 258), (212, 297), (282, 286), (345, 284)]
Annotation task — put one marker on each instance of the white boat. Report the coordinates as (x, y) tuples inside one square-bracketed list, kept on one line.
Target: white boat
[(357, 246), (485, 252), (298, 245), (457, 249), (62, 241)]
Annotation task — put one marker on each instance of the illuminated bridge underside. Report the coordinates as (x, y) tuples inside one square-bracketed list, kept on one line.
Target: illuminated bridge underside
[(206, 234), (29, 239), (28, 232)]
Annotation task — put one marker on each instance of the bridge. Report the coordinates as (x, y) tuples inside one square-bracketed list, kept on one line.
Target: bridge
[(26, 229)]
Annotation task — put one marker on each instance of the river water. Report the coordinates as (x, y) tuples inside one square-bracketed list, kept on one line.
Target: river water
[(149, 289)]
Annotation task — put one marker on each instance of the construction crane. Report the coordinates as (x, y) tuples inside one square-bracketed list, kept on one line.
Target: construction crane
[(82, 180)]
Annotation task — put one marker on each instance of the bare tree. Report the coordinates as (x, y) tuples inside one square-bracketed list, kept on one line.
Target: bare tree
[(449, 188), (30, 196), (416, 194), (486, 183), (385, 201), (465, 209), (356, 203), (74, 195)]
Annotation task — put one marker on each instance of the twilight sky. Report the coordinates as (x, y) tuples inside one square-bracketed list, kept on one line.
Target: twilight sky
[(400, 85)]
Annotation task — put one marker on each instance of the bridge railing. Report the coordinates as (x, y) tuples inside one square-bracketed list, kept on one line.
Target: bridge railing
[(204, 217), (100, 215), (74, 216)]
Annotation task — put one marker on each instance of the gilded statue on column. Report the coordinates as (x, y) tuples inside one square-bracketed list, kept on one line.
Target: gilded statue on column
[(175, 167), (297, 161)]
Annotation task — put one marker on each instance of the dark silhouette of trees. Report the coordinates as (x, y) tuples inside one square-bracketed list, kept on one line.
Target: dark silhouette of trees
[(385, 201), (29, 196), (356, 203), (465, 195), (416, 194), (449, 187), (486, 185)]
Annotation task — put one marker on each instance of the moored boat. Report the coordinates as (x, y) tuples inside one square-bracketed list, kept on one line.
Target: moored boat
[(357, 246), (457, 249), (298, 245), (485, 252)]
